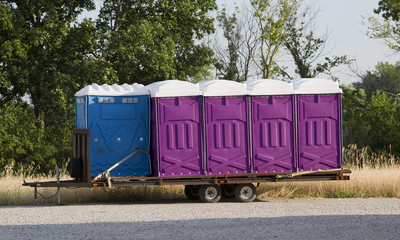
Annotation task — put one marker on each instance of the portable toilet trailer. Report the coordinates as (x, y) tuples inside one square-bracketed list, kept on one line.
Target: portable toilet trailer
[(272, 126), (318, 124), (226, 127), (177, 140), (118, 117)]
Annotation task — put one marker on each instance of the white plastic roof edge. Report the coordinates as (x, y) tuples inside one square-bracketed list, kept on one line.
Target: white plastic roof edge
[(269, 87), (113, 90), (173, 88), (315, 86), (222, 88)]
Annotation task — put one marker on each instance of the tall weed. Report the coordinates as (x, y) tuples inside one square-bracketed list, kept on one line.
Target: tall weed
[(354, 157)]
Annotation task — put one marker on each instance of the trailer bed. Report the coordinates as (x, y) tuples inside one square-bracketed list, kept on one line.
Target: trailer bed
[(201, 180)]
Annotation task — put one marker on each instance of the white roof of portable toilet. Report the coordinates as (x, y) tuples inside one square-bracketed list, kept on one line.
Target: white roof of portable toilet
[(269, 87), (113, 90), (173, 88), (222, 88), (255, 80), (315, 86)]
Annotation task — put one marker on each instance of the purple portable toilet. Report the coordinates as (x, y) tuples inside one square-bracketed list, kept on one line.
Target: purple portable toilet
[(226, 127), (176, 129), (272, 126), (318, 124)]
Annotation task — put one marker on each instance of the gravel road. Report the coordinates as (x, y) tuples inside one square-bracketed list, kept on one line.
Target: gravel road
[(373, 218)]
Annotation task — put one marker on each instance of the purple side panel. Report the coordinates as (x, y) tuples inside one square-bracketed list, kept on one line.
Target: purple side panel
[(180, 136), (227, 135), (319, 132), (273, 134)]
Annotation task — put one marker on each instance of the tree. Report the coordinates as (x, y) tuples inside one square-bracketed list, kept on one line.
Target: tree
[(306, 48), (235, 60), (355, 126), (389, 9), (386, 77), (23, 145), (383, 114), (227, 64), (47, 56), (147, 41), (44, 53), (371, 121), (273, 20), (389, 29)]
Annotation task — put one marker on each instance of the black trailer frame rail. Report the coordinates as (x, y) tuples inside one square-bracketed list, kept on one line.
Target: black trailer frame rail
[(200, 180)]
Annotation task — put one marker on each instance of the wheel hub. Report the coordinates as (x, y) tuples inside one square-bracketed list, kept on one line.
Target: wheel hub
[(246, 192), (211, 193)]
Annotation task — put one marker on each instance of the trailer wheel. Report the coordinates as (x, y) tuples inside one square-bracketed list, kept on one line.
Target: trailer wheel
[(245, 192), (210, 193), (192, 192), (228, 191)]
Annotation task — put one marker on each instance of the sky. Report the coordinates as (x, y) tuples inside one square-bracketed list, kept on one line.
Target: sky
[(342, 20)]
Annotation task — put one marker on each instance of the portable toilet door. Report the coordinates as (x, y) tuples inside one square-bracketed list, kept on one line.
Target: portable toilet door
[(226, 127), (176, 129), (272, 126), (118, 117), (318, 124)]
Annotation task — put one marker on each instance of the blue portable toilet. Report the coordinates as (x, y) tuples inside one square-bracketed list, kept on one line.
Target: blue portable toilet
[(118, 117)]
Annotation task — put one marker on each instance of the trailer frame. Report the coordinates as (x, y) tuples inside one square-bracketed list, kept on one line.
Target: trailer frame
[(199, 181)]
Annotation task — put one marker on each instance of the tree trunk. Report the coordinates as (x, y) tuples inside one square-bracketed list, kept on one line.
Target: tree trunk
[(36, 96)]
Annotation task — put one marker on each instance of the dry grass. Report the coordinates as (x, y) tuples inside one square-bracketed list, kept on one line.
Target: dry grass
[(13, 193), (374, 175), (354, 157), (367, 182)]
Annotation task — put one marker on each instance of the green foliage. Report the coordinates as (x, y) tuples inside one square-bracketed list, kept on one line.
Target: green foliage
[(383, 114), (371, 110), (238, 48), (389, 29), (389, 9), (228, 59), (371, 121), (353, 105), (47, 56), (385, 77), (23, 145), (44, 50), (147, 41), (273, 19), (306, 48)]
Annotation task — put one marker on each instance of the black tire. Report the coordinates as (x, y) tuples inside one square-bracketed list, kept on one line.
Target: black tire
[(245, 192), (228, 191), (192, 192), (75, 168), (210, 193)]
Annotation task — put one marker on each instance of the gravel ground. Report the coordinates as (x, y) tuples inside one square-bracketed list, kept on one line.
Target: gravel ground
[(373, 218)]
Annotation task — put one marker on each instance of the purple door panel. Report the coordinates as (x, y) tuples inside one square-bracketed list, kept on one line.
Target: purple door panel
[(273, 134), (179, 136), (227, 135), (319, 132)]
